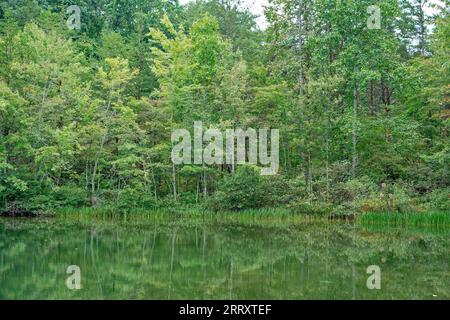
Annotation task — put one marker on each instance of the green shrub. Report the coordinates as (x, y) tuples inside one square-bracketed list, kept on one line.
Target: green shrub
[(129, 198), (280, 191), (370, 204), (241, 190), (395, 197), (315, 208), (354, 189), (438, 200), (403, 199), (343, 210), (69, 196), (58, 197), (168, 203), (40, 202)]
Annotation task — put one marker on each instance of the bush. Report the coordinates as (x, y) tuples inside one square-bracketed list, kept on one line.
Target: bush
[(353, 190), (69, 196), (247, 189), (239, 191), (129, 198), (279, 191), (438, 200), (315, 208), (372, 204), (58, 197), (396, 197), (40, 202), (402, 199)]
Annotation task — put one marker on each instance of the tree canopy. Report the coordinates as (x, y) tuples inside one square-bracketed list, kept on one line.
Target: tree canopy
[(86, 115)]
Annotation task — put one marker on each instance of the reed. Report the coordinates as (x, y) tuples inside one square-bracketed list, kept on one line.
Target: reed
[(274, 217), (441, 219)]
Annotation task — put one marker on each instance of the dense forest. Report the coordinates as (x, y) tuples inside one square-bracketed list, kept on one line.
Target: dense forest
[(86, 114)]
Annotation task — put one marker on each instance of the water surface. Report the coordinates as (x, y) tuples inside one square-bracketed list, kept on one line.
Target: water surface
[(214, 259)]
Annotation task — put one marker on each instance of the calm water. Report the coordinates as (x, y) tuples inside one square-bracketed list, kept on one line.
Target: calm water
[(219, 260)]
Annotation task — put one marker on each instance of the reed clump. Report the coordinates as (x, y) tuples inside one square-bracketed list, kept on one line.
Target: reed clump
[(441, 219)]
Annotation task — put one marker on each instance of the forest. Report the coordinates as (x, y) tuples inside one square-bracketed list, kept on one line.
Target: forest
[(87, 112)]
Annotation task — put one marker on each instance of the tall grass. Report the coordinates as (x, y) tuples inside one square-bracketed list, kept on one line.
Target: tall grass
[(440, 219), (275, 217), (110, 214)]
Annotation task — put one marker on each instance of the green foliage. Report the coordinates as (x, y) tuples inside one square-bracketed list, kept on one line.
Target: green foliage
[(69, 196), (354, 189), (438, 200), (436, 219), (90, 113), (134, 251), (305, 208), (280, 191), (242, 190)]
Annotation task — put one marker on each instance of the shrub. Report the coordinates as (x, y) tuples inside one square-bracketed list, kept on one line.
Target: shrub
[(40, 202), (315, 208), (69, 196), (129, 198), (354, 189), (241, 190), (279, 191), (402, 199), (397, 197), (371, 204), (58, 197), (438, 200)]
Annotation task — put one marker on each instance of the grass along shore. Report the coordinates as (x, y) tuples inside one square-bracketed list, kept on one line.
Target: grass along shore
[(258, 216)]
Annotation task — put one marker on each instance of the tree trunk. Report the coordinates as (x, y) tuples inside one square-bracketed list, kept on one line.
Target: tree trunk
[(354, 140), (174, 181), (205, 184), (371, 98), (310, 188), (154, 184), (422, 27), (198, 188)]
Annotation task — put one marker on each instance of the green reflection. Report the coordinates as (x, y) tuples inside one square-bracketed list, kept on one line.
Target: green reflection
[(219, 259)]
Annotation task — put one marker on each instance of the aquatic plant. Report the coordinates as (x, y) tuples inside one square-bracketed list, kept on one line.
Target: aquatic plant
[(401, 219)]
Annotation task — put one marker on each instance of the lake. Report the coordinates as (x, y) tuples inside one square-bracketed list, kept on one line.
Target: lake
[(182, 258)]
